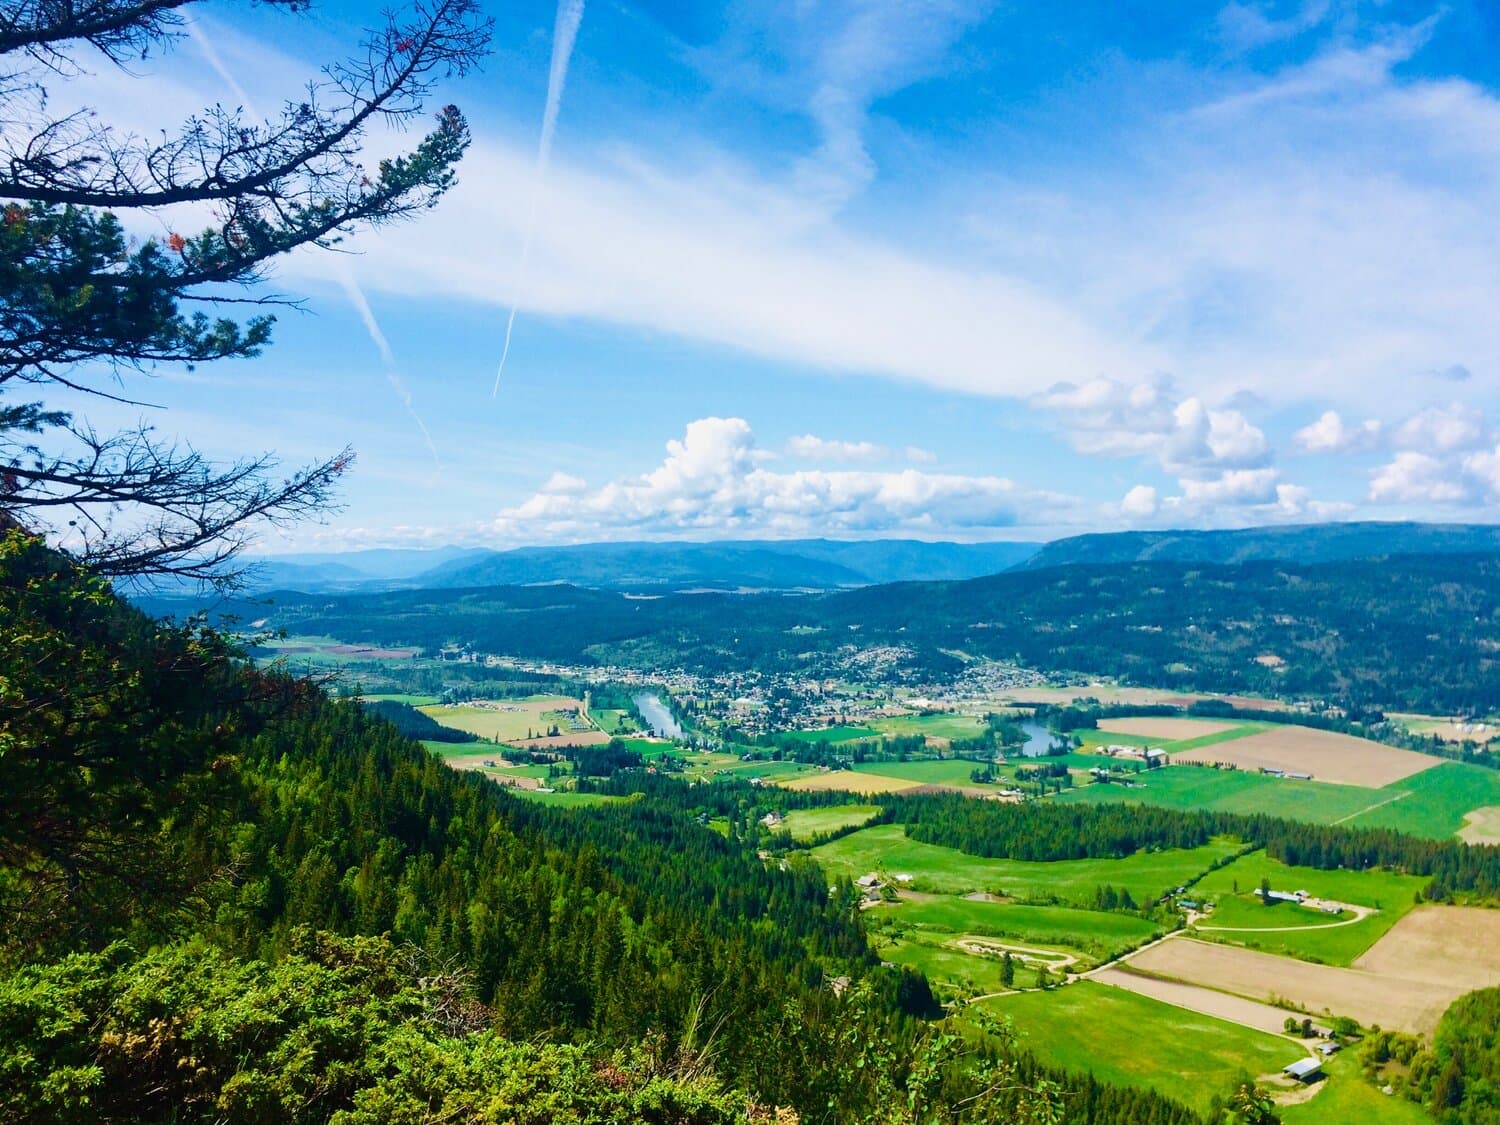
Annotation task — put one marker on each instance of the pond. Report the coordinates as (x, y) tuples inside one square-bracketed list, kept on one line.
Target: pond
[(657, 717)]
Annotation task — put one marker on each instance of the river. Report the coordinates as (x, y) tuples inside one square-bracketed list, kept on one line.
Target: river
[(657, 717)]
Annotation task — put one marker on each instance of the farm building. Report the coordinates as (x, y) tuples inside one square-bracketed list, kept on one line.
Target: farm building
[(1303, 1070)]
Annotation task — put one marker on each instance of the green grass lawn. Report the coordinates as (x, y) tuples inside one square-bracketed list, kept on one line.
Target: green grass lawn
[(1390, 893), (941, 870), (1097, 934), (833, 734), (1346, 1096), (1092, 738), (1439, 799), (935, 771), (400, 697), (804, 824), (1133, 1040), (934, 726)]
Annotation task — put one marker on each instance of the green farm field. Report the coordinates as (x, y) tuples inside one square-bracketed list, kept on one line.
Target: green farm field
[(934, 726), (1124, 1037), (506, 721), (1437, 802), (402, 697), (932, 771), (612, 721), (565, 799), (805, 824), (941, 870), (833, 734), (1098, 934), (1392, 895)]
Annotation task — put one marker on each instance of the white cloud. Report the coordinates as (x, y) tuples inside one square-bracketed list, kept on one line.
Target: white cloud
[(1113, 419), (1445, 429), (1330, 434), (1247, 26), (714, 480), (563, 484), (919, 456), (1413, 477), (1140, 502), (824, 449), (1484, 469)]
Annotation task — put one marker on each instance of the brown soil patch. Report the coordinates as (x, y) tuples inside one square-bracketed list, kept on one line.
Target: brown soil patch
[(1327, 755), (1482, 826), (1235, 1009), (580, 738), (849, 781), (1454, 946), (1168, 730), (1322, 990)]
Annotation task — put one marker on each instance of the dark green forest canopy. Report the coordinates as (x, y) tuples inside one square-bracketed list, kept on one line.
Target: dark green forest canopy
[(1418, 633)]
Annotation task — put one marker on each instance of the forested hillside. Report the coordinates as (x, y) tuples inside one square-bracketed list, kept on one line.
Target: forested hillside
[(1417, 633), (1297, 543)]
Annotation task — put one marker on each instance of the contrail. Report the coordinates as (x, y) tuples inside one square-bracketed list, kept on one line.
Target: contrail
[(346, 279), (569, 16)]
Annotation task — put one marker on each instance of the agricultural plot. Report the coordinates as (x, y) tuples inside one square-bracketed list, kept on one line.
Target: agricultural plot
[(1204, 1001), (1326, 755), (1482, 826), (805, 824), (941, 870), (526, 721), (567, 799), (401, 697), (1388, 894), (933, 771), (833, 734), (942, 726), (1454, 946), (1436, 802), (1135, 1040), (1165, 729), (1096, 934), (850, 781), (1320, 990)]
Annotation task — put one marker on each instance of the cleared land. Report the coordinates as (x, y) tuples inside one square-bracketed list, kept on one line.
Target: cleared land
[(1235, 1009), (1326, 755), (848, 781), (931, 771), (804, 824), (512, 720), (1457, 947), (1346, 1096), (1099, 934), (1482, 826), (1165, 729), (941, 870), (1388, 894), (1135, 1040), (1324, 990)]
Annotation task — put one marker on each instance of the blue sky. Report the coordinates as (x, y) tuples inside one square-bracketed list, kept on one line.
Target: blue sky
[(942, 269)]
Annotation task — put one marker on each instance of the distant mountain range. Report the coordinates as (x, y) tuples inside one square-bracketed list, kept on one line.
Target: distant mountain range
[(818, 564), (824, 564), (1301, 543)]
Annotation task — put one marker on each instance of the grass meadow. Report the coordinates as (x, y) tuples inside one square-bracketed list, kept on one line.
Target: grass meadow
[(805, 824), (1096, 934), (942, 870), (1133, 1040)]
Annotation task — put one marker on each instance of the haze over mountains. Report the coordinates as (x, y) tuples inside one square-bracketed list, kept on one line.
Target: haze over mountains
[(824, 564)]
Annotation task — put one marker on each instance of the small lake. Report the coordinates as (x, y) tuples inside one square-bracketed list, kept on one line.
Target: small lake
[(657, 717), (1038, 739)]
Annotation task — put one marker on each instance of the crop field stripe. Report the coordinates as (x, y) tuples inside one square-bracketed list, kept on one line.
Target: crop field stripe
[(1372, 808)]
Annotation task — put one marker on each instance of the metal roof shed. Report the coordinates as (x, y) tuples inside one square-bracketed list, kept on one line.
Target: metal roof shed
[(1303, 1070)]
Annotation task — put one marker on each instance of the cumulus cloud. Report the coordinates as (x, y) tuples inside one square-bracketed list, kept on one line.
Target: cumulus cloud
[(1140, 502), (1413, 477), (715, 479), (1110, 418), (1445, 429), (1330, 434), (815, 448)]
